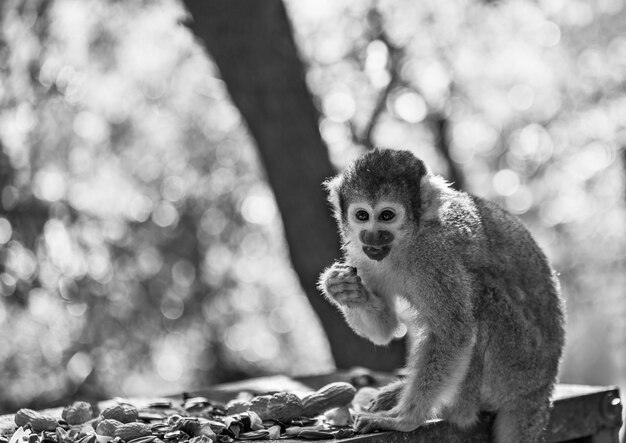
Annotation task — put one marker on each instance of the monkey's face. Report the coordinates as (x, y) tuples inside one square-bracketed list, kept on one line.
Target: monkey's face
[(375, 227)]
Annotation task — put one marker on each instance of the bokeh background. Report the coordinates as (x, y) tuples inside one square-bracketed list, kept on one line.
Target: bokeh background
[(141, 248)]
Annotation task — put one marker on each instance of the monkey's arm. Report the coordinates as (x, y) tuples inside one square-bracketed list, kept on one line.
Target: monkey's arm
[(368, 315)]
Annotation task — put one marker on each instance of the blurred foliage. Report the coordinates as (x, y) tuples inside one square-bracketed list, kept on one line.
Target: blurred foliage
[(142, 250), (140, 247)]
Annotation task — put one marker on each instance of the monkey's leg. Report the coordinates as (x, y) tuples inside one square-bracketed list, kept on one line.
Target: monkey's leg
[(440, 366), (523, 421), (388, 397), (464, 409)]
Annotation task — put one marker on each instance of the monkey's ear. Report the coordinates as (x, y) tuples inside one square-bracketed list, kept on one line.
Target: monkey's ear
[(334, 196), (432, 190)]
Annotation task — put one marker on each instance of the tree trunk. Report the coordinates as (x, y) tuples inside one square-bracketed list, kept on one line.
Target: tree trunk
[(251, 42)]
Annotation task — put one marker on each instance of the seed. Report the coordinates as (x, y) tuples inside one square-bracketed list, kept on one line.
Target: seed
[(344, 433), (62, 435), (150, 416), (159, 428), (162, 404), (254, 435), (196, 403), (146, 439), (274, 432), (173, 419), (175, 435), (315, 435)]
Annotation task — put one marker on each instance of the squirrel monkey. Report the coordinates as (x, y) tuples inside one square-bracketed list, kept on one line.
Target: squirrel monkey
[(484, 304)]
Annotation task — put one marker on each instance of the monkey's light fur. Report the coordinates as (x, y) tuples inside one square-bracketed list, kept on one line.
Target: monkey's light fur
[(485, 308)]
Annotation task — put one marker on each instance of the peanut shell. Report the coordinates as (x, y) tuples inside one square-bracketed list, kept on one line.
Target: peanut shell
[(77, 413), (334, 395), (282, 406), (107, 427), (131, 431), (38, 421), (237, 405), (122, 413)]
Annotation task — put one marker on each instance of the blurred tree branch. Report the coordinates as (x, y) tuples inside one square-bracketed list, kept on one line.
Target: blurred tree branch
[(253, 46), (395, 57), (441, 128), (436, 120)]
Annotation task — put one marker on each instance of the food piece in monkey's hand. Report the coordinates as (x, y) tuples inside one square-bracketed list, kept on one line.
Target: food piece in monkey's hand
[(486, 311)]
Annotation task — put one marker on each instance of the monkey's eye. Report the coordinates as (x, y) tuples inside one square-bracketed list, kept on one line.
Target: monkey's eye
[(362, 215), (387, 215)]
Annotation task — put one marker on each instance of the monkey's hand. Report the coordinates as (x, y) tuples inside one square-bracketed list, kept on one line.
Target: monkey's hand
[(368, 315), (342, 285)]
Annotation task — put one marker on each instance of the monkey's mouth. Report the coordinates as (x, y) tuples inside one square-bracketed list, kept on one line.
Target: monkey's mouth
[(376, 253)]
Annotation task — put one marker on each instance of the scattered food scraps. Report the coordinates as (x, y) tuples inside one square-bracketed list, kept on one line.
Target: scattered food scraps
[(196, 420)]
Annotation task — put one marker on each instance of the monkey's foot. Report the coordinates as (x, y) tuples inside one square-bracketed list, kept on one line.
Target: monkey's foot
[(387, 397), (385, 421)]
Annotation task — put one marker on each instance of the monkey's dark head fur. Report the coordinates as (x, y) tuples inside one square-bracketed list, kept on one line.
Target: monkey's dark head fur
[(379, 173)]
